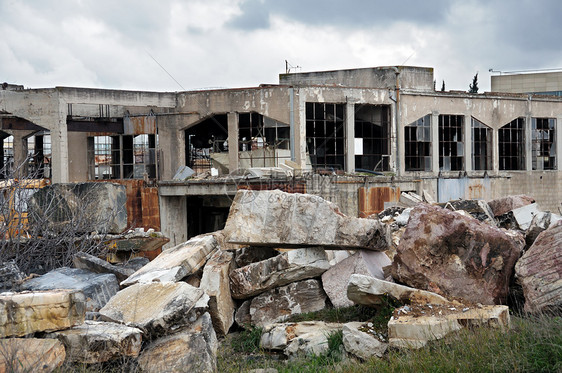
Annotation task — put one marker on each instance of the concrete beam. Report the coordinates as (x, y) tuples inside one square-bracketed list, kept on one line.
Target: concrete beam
[(233, 122), (467, 142)]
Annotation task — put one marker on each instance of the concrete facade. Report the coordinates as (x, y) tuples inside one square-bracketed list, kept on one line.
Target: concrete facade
[(538, 82), (366, 129)]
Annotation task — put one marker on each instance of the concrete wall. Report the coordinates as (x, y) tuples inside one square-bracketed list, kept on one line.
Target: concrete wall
[(526, 83)]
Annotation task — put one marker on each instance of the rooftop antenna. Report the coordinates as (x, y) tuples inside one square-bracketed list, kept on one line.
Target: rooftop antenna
[(288, 67), (166, 71)]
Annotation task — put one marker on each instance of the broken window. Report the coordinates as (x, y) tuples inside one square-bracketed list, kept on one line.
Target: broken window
[(263, 142), (418, 145), (8, 156), (481, 145), (123, 156), (544, 143), (206, 144), (39, 155), (511, 141), (372, 137), (325, 135), (451, 145)]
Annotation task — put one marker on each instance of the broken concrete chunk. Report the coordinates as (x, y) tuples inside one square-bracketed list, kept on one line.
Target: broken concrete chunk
[(410, 199), (334, 280), (98, 341), (156, 308), (414, 326), (97, 288), (97, 265), (362, 344), (177, 262), (524, 215), (455, 256), (192, 350), (275, 218), (216, 284), (10, 276), (88, 206), (307, 337), (40, 311), (251, 254), (30, 355), (291, 266), (539, 271), (278, 304), (503, 205), (427, 197), (368, 290), (478, 209), (539, 223)]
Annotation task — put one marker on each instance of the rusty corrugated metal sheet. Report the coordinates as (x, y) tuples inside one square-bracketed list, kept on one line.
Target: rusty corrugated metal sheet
[(371, 200), (139, 125), (150, 208)]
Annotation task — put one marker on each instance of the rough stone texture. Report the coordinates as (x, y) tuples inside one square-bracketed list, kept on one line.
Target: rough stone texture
[(455, 256), (503, 205), (539, 223), (361, 344), (251, 254), (10, 276), (539, 271), (156, 308), (216, 284), (30, 355), (294, 338), (291, 266), (98, 206), (524, 215), (368, 290), (97, 265), (97, 288), (98, 341), (40, 311), (192, 350), (242, 315), (478, 209), (414, 331), (275, 218), (334, 280), (177, 262), (277, 304)]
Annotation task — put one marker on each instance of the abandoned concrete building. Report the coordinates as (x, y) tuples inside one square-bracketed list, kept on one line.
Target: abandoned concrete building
[(356, 137)]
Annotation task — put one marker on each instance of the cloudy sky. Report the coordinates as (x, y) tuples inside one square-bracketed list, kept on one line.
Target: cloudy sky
[(175, 45)]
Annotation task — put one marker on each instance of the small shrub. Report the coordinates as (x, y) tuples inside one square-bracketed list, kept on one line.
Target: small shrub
[(247, 341)]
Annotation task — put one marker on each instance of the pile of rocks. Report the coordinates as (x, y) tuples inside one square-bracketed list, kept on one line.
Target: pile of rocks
[(283, 254)]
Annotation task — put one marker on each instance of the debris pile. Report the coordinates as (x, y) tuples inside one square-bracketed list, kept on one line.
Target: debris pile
[(446, 266)]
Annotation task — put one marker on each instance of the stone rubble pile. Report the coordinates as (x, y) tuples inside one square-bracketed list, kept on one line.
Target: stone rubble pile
[(447, 266)]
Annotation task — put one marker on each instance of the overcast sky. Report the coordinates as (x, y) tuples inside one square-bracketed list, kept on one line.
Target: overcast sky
[(128, 44)]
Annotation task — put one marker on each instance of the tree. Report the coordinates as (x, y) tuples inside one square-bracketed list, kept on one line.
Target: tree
[(473, 88), (443, 87)]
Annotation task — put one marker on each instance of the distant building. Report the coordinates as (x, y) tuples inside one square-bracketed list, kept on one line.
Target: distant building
[(543, 83)]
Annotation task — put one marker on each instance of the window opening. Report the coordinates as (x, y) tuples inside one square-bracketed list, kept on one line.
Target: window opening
[(511, 141), (325, 135), (418, 145), (372, 137), (451, 145), (481, 145), (544, 143)]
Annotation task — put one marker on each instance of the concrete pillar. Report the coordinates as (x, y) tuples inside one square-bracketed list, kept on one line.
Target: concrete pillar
[(349, 137), (232, 141), (59, 141), (528, 144), (435, 142), (397, 157), (558, 134), (78, 159), (300, 131), (495, 150), (20, 155), (173, 219), (467, 143)]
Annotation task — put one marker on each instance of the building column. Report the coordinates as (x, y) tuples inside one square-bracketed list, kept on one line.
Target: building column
[(468, 143), (59, 145), (300, 131), (496, 150), (558, 134), (349, 137), (435, 142), (233, 120), (528, 144), (20, 155)]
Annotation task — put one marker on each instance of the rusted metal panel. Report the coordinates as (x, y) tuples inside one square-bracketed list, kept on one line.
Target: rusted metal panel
[(371, 200), (150, 208), (463, 188), (139, 125)]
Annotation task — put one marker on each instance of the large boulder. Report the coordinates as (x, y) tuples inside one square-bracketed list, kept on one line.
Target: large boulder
[(503, 205), (98, 341), (278, 304), (291, 266), (97, 288), (334, 280), (157, 308), (275, 218), (40, 311), (455, 256), (539, 271), (177, 262), (86, 207), (251, 254), (94, 264), (191, 350), (30, 355), (216, 284), (360, 343)]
